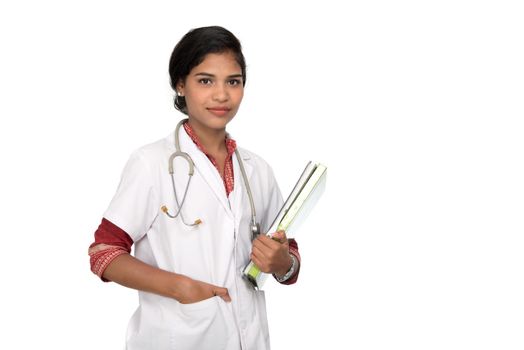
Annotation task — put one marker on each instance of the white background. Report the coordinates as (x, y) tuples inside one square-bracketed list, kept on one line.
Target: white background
[(416, 107)]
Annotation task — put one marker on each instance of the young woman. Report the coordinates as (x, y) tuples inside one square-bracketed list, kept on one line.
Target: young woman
[(184, 202)]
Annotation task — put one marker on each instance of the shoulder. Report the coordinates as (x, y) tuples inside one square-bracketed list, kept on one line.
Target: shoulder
[(260, 164), (155, 152), (148, 160), (253, 158)]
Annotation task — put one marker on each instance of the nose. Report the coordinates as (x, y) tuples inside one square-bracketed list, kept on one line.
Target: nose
[(220, 93)]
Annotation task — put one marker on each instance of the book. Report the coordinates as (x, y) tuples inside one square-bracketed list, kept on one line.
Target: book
[(305, 194)]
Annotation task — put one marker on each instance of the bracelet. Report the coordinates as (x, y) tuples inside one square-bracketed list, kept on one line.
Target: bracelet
[(291, 270)]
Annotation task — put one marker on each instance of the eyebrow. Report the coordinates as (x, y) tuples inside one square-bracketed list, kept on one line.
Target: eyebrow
[(212, 75)]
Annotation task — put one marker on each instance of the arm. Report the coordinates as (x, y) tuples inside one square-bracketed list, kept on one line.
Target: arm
[(111, 261), (133, 273)]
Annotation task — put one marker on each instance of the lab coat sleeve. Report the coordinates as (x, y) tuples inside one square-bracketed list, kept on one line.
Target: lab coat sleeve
[(134, 207)]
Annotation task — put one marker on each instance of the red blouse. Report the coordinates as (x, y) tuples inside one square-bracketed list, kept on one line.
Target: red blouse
[(228, 176)]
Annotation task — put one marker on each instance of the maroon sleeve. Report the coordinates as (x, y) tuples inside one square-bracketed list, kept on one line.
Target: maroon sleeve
[(110, 234), (110, 242)]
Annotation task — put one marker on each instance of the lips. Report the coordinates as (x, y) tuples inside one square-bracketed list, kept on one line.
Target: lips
[(219, 111)]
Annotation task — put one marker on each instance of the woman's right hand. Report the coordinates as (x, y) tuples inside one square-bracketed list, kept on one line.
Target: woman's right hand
[(189, 291), (129, 271)]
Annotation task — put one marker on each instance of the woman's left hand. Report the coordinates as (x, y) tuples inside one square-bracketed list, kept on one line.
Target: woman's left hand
[(271, 255)]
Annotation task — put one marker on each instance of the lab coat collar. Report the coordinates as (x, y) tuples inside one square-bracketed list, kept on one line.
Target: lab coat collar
[(239, 194), (211, 176)]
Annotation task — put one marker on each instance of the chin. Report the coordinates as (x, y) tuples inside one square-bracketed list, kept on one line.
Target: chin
[(218, 122), (215, 123)]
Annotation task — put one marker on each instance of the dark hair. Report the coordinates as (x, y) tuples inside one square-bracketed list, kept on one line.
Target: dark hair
[(192, 49)]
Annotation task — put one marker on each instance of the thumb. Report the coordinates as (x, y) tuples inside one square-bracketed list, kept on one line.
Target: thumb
[(280, 236), (223, 293)]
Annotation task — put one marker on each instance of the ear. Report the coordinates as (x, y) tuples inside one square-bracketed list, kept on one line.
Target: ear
[(180, 88)]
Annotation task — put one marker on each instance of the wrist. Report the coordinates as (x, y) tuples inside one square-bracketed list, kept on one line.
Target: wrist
[(282, 277), (280, 273), (175, 285)]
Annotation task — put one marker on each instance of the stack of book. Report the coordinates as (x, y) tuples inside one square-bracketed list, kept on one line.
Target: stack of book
[(297, 207)]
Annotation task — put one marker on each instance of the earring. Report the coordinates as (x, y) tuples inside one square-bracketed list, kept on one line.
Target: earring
[(180, 94)]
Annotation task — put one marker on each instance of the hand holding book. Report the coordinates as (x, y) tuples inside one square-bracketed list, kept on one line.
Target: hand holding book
[(302, 199), (271, 254)]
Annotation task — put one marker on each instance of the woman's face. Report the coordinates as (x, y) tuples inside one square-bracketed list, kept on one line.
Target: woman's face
[(213, 91)]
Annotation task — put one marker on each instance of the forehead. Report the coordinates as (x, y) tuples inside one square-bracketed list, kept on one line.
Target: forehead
[(224, 62)]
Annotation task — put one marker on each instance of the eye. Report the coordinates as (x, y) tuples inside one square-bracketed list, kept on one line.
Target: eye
[(205, 81), (235, 82)]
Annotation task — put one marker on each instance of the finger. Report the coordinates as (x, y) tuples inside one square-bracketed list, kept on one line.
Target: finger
[(263, 251), (223, 293), (259, 263), (259, 250), (264, 244), (279, 236), (266, 241)]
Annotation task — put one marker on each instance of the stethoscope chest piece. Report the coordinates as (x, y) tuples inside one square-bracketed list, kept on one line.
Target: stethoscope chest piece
[(255, 230)]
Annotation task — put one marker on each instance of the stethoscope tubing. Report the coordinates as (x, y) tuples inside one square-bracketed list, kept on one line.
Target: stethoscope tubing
[(254, 226)]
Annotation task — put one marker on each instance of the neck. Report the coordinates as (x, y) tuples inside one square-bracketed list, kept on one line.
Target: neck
[(211, 139)]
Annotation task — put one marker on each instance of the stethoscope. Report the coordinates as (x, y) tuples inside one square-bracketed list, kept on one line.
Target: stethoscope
[(254, 226)]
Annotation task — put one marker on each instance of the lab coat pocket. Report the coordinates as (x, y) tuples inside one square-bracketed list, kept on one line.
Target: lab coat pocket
[(202, 326), (199, 305)]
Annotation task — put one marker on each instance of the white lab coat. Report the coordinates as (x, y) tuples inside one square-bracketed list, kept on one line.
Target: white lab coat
[(214, 252)]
